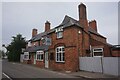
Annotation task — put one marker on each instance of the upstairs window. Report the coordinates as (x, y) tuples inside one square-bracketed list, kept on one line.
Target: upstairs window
[(60, 54), (39, 55), (97, 52), (59, 32)]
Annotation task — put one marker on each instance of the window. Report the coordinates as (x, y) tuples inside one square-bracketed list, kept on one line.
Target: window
[(26, 56), (39, 55), (60, 54), (59, 34), (98, 52)]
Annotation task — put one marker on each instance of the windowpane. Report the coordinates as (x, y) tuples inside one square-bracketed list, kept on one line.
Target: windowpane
[(60, 54), (59, 34), (39, 55), (98, 51), (63, 57)]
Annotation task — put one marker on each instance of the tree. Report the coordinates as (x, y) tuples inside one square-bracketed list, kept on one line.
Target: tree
[(15, 48)]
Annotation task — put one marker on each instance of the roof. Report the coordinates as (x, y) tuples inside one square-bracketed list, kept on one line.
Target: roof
[(116, 47), (67, 22), (36, 48), (94, 32)]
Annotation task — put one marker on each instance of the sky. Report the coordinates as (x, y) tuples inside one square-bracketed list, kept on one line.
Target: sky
[(22, 17)]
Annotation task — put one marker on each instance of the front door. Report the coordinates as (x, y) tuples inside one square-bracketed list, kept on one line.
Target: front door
[(46, 60), (34, 58)]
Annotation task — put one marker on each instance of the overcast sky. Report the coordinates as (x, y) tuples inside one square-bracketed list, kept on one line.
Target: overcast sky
[(22, 17)]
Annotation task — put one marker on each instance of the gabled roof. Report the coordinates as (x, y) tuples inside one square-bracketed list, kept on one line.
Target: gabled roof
[(67, 22)]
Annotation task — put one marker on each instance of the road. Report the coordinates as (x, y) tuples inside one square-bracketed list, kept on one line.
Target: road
[(18, 70)]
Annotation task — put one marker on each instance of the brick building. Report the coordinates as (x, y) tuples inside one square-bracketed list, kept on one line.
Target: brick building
[(60, 48)]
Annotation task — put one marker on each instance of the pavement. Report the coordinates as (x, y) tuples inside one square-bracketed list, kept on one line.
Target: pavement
[(25, 70), (93, 75), (87, 74)]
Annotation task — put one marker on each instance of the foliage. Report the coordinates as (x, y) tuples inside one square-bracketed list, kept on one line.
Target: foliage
[(15, 48)]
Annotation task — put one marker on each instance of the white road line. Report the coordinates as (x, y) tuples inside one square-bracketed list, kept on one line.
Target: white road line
[(6, 76)]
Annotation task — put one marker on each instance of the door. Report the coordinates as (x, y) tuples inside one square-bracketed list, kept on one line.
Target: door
[(46, 60), (34, 58)]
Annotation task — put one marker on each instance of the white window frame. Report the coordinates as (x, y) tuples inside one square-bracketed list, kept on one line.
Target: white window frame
[(40, 53), (60, 52), (59, 32), (97, 51), (26, 54)]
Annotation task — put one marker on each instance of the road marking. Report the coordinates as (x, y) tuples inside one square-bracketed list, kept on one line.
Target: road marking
[(6, 76)]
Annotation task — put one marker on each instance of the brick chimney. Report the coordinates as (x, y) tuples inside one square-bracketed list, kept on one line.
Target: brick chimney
[(34, 32), (83, 16), (47, 26), (93, 25), (84, 23)]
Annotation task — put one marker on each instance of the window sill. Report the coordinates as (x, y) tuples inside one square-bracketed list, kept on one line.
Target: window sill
[(59, 38), (39, 60), (60, 61)]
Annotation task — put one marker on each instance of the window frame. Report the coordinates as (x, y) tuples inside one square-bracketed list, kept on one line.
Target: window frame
[(41, 55), (97, 51), (26, 54), (59, 32), (60, 52)]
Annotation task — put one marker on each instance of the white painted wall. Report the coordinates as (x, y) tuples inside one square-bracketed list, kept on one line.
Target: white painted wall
[(21, 57)]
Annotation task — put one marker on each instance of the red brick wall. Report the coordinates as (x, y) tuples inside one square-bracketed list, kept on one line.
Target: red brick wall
[(32, 58), (116, 53), (71, 43), (27, 61), (98, 38), (40, 64), (106, 48)]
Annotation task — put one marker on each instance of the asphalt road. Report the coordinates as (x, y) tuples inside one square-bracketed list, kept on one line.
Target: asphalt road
[(18, 70)]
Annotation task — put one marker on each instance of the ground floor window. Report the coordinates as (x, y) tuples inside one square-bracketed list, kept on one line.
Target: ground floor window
[(26, 55), (60, 54), (39, 55), (97, 52)]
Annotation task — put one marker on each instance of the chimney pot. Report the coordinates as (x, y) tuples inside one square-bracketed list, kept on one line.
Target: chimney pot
[(47, 26), (34, 32), (93, 25)]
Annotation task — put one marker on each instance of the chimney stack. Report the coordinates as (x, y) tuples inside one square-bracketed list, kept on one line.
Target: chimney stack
[(34, 32), (93, 25), (84, 23), (83, 16), (47, 26)]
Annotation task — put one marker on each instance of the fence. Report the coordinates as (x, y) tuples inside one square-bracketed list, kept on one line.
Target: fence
[(106, 65)]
